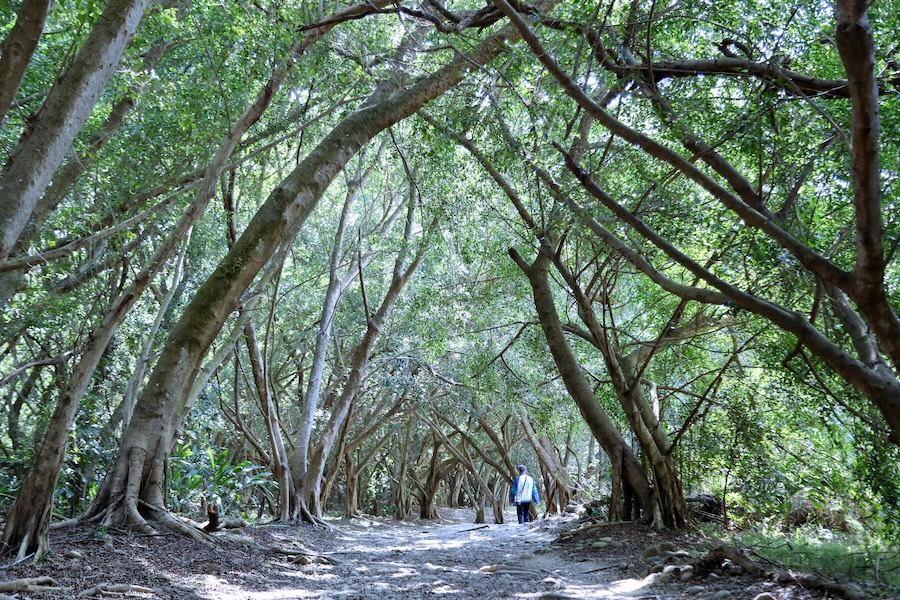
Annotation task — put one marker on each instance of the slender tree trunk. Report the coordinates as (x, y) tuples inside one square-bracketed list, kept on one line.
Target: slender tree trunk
[(279, 456), (351, 505), (312, 481), (401, 504), (336, 288), (499, 498), (478, 499), (340, 453), (18, 48), (143, 360)]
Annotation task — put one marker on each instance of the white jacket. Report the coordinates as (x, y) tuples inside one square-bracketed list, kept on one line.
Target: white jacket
[(524, 488)]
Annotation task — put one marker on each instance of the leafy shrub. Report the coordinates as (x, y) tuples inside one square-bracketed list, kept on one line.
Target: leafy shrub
[(240, 487)]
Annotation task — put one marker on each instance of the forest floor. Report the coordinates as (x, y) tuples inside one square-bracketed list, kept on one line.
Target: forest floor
[(386, 559)]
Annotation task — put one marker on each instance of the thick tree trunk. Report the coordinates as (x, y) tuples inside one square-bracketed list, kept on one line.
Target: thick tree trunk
[(32, 507), (435, 474), (67, 108), (351, 500)]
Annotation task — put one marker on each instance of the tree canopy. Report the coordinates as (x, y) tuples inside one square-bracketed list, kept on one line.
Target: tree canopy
[(286, 256)]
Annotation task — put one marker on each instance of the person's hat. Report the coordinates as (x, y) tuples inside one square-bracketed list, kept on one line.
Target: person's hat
[(522, 468)]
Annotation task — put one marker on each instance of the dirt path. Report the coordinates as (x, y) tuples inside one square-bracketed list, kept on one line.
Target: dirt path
[(377, 560), (385, 560)]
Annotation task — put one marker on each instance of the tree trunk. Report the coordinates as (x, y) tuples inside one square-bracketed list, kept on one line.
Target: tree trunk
[(351, 505), (499, 498), (335, 291), (339, 455), (68, 106), (401, 501), (656, 447), (626, 374), (429, 490), (599, 422), (279, 462), (18, 48)]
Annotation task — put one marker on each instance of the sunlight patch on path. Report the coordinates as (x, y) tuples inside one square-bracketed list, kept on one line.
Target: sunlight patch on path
[(386, 560)]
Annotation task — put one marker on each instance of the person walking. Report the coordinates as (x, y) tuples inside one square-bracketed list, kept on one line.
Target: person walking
[(522, 494)]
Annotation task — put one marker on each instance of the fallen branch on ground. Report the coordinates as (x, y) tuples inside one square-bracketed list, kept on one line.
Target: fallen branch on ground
[(508, 569), (102, 589)]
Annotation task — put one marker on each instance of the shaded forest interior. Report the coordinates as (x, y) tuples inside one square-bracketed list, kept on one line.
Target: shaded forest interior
[(279, 260)]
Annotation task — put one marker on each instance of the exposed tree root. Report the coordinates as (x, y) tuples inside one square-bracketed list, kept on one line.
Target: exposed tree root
[(303, 514), (65, 523), (31, 584), (304, 557), (167, 519), (717, 557), (104, 589)]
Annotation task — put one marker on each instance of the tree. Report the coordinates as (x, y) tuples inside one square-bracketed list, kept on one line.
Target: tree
[(870, 360), (137, 474)]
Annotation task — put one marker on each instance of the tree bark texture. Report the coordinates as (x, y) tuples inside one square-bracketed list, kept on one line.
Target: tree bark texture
[(69, 104), (18, 48)]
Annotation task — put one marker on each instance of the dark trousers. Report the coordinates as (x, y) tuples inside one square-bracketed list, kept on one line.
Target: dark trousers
[(523, 511)]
